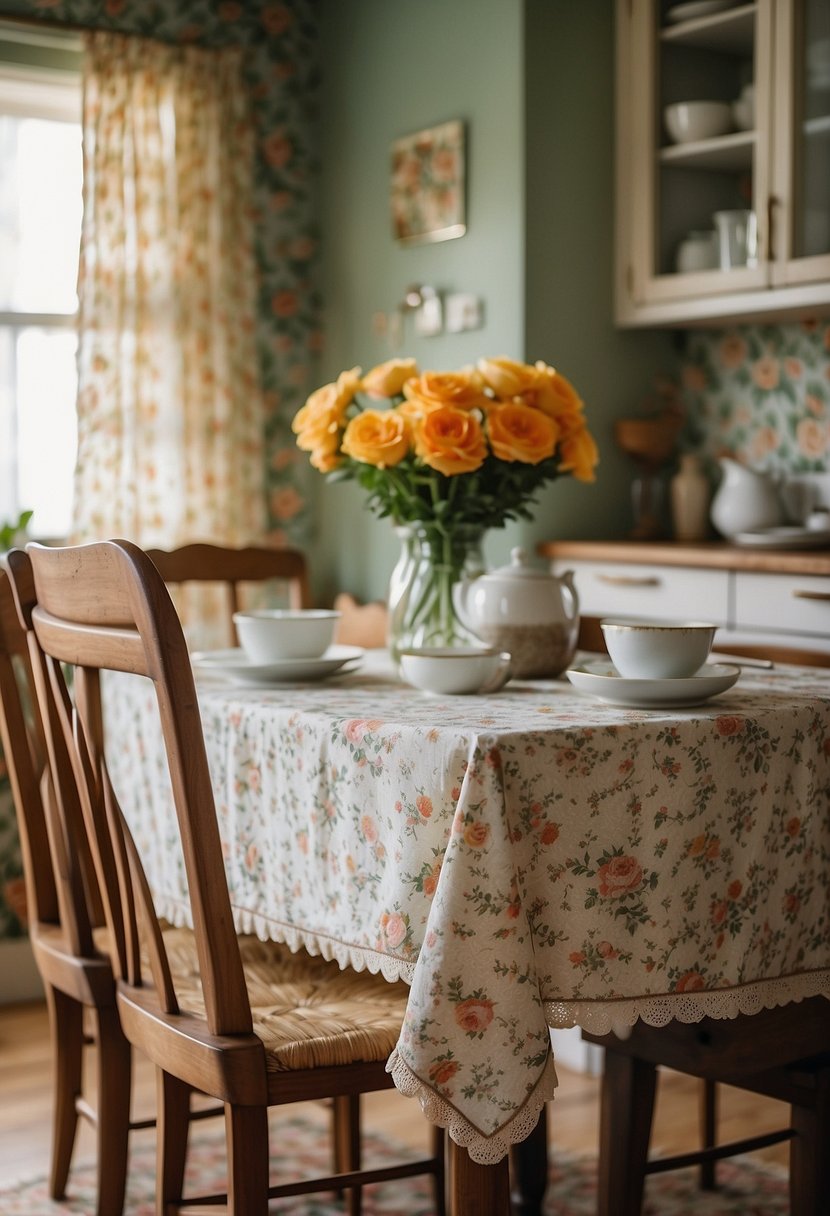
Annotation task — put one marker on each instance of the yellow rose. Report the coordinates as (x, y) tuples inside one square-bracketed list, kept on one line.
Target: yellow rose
[(450, 440), (317, 423), (388, 379), (463, 390), (518, 432), (555, 395), (507, 378), (325, 461), (578, 454), (378, 437)]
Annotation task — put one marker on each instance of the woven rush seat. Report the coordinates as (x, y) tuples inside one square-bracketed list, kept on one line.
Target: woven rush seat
[(307, 1012)]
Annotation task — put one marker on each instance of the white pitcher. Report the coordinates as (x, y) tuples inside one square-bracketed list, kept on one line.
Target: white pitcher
[(745, 501)]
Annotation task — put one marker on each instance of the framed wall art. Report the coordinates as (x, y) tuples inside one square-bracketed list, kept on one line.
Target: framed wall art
[(428, 184)]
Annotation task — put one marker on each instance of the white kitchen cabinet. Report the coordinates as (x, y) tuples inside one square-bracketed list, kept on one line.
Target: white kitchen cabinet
[(779, 169), (789, 608), (608, 589)]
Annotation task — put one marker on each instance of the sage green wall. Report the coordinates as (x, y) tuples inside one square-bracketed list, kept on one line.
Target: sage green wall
[(533, 81)]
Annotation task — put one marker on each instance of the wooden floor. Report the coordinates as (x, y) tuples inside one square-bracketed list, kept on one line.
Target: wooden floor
[(25, 1089)]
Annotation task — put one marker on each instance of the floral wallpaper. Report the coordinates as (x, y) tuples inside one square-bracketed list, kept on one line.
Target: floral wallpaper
[(280, 38), (761, 394)]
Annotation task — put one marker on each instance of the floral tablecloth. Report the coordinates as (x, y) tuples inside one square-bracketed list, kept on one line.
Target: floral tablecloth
[(527, 860)]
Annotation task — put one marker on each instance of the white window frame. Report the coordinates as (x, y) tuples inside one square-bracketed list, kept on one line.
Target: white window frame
[(47, 93)]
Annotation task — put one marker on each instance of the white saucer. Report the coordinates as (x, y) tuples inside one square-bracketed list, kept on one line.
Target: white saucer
[(235, 665), (784, 538), (601, 680)]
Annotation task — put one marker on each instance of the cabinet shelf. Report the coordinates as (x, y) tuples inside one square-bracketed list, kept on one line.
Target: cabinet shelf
[(725, 153), (818, 126), (731, 32)]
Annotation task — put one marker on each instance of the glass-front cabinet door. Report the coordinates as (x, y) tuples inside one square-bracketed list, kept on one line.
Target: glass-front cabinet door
[(723, 159), (800, 211)]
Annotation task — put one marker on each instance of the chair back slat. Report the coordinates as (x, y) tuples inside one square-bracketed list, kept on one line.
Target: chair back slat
[(120, 617), (21, 751), (233, 568)]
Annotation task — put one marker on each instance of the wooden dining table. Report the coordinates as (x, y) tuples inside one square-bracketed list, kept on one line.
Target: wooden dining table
[(527, 860)]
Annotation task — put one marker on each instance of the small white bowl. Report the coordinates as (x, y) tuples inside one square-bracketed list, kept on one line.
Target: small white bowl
[(448, 671), (743, 112), (269, 635), (687, 121), (657, 650)]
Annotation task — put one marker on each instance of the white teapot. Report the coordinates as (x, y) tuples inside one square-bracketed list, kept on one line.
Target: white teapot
[(523, 609)]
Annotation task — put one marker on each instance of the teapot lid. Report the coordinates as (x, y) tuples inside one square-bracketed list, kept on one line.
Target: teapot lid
[(519, 567)]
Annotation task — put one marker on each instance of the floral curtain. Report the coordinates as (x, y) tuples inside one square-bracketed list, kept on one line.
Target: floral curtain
[(170, 413)]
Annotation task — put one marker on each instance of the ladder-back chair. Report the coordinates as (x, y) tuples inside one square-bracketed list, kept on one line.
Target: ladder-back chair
[(254, 1032), (63, 913)]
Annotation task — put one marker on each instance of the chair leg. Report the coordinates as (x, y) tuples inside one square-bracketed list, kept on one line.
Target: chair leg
[(529, 1170), (809, 1156), (113, 1127), (346, 1135), (439, 1152), (626, 1108), (708, 1132), (172, 1125), (66, 1022), (246, 1129)]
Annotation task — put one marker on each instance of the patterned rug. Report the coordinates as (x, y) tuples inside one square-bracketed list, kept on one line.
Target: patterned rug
[(746, 1188)]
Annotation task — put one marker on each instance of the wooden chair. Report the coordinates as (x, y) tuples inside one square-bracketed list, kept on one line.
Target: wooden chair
[(317, 1032), (63, 913), (231, 568)]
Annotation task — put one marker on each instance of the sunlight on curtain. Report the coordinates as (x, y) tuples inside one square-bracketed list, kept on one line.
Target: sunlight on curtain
[(170, 414)]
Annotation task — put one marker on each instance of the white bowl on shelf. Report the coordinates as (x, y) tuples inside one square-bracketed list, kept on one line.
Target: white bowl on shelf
[(690, 121), (743, 112)]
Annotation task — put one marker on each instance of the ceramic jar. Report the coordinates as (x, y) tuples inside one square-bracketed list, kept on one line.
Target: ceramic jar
[(526, 610), (690, 494)]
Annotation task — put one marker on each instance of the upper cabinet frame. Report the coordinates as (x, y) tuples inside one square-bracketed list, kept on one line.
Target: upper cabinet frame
[(777, 169)]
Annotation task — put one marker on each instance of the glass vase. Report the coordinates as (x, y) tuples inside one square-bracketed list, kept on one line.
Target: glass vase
[(432, 561)]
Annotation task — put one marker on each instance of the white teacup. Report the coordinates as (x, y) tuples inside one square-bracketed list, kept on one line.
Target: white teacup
[(452, 670), (657, 650), (271, 635)]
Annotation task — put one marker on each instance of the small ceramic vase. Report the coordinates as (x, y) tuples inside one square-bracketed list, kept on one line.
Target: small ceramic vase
[(690, 495)]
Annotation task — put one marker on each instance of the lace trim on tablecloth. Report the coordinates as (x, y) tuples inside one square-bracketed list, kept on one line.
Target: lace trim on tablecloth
[(486, 1150), (618, 1016)]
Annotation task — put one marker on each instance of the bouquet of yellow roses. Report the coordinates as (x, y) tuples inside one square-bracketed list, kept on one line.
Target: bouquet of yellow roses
[(471, 446), (449, 454)]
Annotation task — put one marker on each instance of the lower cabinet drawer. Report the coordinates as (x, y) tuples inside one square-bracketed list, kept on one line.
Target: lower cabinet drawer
[(791, 604), (653, 592)]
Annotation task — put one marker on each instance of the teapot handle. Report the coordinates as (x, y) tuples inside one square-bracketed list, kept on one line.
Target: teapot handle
[(568, 584)]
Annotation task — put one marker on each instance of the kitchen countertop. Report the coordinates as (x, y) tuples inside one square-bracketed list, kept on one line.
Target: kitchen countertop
[(710, 555)]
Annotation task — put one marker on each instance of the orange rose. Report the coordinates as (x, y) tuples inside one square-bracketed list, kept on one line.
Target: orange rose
[(579, 455), (476, 835), (555, 395), (388, 379), (378, 437), (443, 1071), (464, 390), (450, 440), (316, 425), (520, 433), (507, 378)]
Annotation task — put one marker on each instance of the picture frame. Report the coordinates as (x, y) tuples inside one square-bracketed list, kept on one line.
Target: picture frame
[(428, 185)]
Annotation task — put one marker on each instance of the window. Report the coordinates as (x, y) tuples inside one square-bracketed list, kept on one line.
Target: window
[(40, 227)]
